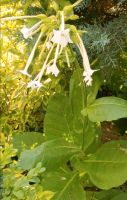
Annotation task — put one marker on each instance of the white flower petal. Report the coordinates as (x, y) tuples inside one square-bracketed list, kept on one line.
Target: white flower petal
[(88, 81), (24, 72), (48, 45), (61, 37), (56, 36), (53, 70), (25, 31), (67, 35), (34, 84), (88, 76)]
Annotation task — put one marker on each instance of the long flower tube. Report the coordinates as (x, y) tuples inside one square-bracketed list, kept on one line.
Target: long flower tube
[(45, 63), (67, 58), (28, 32), (33, 51), (87, 69), (44, 45), (53, 68), (19, 17), (83, 53), (35, 26), (34, 32), (61, 36), (52, 60), (36, 83), (25, 71)]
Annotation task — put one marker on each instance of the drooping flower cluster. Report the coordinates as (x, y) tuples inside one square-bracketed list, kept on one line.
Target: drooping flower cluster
[(56, 41), (61, 38)]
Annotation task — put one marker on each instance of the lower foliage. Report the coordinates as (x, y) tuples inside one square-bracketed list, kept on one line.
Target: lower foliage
[(68, 161)]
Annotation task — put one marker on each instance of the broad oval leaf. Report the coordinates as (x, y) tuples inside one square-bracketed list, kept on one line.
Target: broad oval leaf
[(58, 119), (106, 109), (27, 140), (51, 154), (120, 197), (107, 194), (63, 117), (65, 186), (107, 168)]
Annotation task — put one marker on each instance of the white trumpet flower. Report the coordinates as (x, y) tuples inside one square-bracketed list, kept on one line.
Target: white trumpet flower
[(53, 70), (88, 72), (26, 32), (61, 37), (88, 76), (34, 84), (48, 45)]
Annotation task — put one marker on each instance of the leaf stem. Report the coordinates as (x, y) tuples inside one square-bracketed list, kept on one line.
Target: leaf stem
[(84, 103), (85, 119)]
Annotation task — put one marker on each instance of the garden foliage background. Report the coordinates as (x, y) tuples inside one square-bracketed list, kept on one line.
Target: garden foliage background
[(23, 110)]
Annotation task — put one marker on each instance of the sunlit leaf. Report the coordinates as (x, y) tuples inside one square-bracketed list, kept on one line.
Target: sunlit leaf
[(27, 140), (51, 154), (106, 109), (104, 166), (65, 186)]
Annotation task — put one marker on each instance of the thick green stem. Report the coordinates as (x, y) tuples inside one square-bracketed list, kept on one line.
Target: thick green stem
[(84, 103), (85, 119)]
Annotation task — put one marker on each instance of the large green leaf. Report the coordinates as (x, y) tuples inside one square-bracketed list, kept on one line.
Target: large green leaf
[(107, 168), (58, 119), (90, 136), (106, 109), (65, 186), (63, 117), (27, 140), (52, 154), (103, 195), (112, 194), (120, 197)]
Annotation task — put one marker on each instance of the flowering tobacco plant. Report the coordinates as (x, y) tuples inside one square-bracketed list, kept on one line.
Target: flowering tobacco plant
[(57, 36), (67, 161)]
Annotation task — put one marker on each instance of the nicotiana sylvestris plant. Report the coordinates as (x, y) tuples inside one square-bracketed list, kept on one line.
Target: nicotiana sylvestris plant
[(70, 150), (57, 35)]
